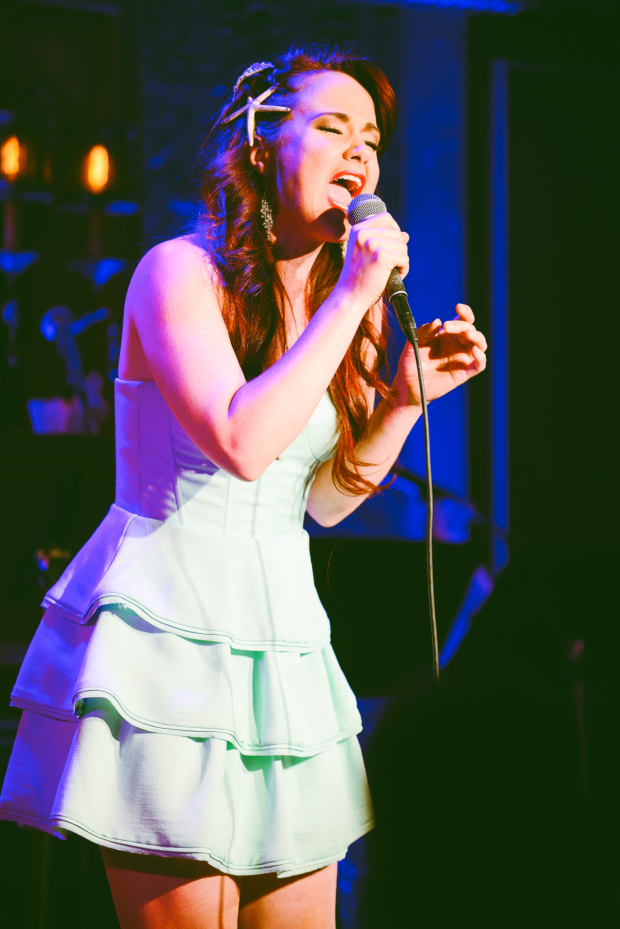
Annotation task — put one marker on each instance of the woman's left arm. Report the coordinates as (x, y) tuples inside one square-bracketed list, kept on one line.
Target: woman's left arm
[(451, 353)]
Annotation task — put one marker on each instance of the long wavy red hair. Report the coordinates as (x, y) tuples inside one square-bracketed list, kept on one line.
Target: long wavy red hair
[(252, 295)]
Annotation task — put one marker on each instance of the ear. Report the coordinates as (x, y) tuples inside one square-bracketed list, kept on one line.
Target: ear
[(261, 157)]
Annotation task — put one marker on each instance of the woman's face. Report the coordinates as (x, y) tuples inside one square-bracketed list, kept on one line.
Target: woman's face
[(326, 154)]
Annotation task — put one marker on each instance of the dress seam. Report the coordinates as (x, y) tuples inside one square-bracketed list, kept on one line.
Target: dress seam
[(282, 865), (187, 632), (176, 484), (212, 732), (139, 404)]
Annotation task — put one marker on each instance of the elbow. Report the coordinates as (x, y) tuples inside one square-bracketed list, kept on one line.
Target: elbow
[(243, 468), (327, 519), (245, 473), (326, 522), (239, 459)]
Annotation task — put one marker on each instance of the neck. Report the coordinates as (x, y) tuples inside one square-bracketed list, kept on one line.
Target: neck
[(294, 273)]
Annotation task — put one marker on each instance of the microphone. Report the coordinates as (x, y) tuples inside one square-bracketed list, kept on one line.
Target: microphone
[(360, 208)]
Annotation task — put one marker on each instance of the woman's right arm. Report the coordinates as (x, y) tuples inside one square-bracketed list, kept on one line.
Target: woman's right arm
[(242, 426)]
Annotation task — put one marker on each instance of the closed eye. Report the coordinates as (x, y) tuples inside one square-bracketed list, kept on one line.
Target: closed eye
[(371, 145)]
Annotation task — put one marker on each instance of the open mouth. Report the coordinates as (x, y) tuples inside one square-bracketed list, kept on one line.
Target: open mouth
[(343, 187)]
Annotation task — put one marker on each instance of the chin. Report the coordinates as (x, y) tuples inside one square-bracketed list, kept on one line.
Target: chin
[(333, 225)]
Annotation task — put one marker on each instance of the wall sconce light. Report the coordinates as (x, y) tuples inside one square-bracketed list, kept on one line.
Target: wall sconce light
[(97, 169), (11, 158)]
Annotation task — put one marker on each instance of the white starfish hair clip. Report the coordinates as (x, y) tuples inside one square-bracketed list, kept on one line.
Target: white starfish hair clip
[(255, 105)]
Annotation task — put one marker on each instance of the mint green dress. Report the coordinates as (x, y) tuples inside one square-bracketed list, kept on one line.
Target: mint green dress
[(181, 696)]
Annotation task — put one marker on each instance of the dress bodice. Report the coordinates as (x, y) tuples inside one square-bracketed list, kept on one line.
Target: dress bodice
[(195, 551), (161, 474)]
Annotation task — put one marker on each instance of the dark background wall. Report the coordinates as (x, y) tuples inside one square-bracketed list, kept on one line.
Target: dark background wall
[(191, 53)]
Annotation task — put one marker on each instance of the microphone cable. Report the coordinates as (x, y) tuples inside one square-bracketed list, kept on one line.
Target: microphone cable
[(398, 299), (360, 208)]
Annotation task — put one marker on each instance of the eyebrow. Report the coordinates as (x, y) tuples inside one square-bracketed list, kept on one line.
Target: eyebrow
[(369, 127)]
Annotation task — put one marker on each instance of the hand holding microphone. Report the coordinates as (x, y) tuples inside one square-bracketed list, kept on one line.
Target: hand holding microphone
[(385, 244), (375, 247)]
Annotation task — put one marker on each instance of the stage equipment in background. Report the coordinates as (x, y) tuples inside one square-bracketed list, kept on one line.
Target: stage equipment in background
[(114, 350), (87, 409), (13, 263), (503, 7), (121, 208), (51, 563), (480, 588), (185, 209), (68, 210), (10, 317), (98, 270), (360, 208)]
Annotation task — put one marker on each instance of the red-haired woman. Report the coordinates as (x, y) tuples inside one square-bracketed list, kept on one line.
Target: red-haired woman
[(182, 704)]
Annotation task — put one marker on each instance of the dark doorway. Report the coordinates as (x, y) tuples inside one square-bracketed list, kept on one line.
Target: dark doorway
[(564, 406), (562, 98)]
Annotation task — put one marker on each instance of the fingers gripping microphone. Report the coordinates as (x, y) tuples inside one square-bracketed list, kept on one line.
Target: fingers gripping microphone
[(360, 208)]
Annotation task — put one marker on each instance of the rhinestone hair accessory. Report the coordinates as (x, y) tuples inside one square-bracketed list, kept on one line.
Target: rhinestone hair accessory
[(253, 69), (254, 106)]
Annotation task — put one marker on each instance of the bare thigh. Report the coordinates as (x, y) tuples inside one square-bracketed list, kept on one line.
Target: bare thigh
[(177, 893), (304, 902), (170, 893)]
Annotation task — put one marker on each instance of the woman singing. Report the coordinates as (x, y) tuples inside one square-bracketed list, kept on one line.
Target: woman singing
[(182, 704)]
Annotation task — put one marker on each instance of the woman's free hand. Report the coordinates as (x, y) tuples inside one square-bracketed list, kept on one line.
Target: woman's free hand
[(450, 352), (376, 246)]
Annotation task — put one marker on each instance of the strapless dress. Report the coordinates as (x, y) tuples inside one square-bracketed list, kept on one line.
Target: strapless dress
[(181, 696)]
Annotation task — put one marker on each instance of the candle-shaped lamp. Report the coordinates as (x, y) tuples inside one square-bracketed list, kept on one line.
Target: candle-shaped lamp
[(11, 158), (97, 169), (11, 163)]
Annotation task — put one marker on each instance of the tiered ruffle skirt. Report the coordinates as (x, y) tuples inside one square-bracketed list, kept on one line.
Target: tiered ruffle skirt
[(155, 742)]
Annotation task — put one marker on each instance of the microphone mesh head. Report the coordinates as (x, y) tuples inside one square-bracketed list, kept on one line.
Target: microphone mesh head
[(363, 206)]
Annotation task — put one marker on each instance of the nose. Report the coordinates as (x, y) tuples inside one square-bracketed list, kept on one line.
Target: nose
[(359, 152)]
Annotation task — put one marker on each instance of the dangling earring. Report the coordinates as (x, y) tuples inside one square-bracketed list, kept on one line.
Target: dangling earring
[(266, 217), (343, 249)]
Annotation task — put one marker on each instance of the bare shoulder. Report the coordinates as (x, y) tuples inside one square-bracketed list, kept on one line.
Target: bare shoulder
[(175, 267), (185, 248), (172, 299)]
